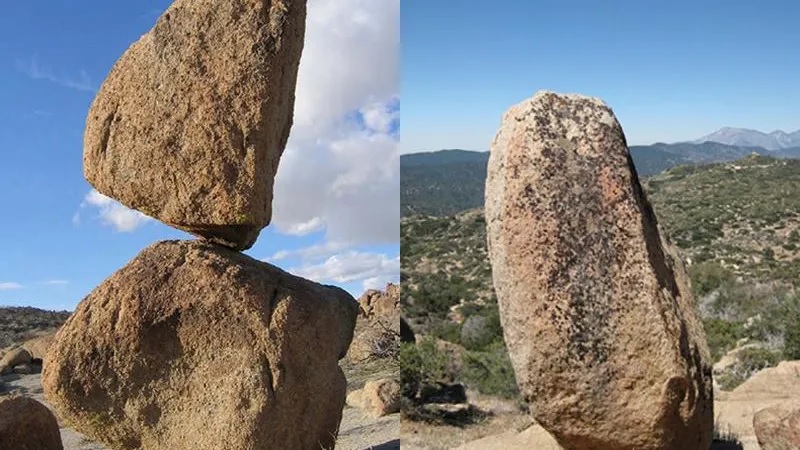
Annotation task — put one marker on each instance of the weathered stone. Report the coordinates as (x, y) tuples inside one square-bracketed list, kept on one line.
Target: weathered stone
[(191, 122), (377, 398), (766, 388), (778, 427), (37, 347), (195, 346), (26, 424), (375, 303), (596, 307), (14, 357)]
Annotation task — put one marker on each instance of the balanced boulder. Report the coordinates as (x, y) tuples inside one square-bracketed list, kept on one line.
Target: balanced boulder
[(26, 424), (195, 346), (596, 308), (191, 122)]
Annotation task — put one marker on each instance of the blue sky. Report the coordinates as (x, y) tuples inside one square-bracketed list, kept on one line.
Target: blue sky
[(336, 206), (672, 71)]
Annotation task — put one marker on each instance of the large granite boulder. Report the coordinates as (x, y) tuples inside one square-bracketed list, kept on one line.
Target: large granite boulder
[(194, 346), (597, 311), (191, 122)]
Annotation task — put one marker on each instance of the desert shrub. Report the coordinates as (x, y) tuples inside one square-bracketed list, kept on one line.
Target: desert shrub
[(790, 319), (722, 335), (478, 331), (446, 330), (709, 276), (490, 371), (420, 363), (749, 361)]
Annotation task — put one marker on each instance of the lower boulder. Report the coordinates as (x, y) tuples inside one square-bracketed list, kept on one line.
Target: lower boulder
[(26, 424), (195, 346)]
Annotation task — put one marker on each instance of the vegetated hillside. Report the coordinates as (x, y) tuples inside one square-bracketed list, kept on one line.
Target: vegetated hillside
[(737, 223), (18, 324), (441, 183), (447, 182)]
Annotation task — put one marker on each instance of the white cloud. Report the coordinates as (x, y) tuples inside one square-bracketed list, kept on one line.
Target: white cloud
[(372, 268), (55, 282), (303, 228), (112, 213), (9, 285), (380, 117), (311, 253), (335, 174), (34, 70)]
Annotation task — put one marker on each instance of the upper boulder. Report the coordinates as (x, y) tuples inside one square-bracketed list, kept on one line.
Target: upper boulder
[(192, 120)]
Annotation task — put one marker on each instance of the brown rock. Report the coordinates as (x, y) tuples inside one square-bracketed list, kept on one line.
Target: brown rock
[(378, 328), (375, 303), (38, 346), (381, 397), (14, 357), (766, 388), (778, 427), (26, 424), (597, 311), (190, 123), (194, 346)]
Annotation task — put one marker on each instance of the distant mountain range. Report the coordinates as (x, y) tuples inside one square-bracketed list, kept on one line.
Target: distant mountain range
[(744, 137), (446, 182)]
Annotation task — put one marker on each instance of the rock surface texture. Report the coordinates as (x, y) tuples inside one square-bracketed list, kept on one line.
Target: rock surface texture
[(596, 307), (778, 427), (191, 122), (26, 424), (194, 346)]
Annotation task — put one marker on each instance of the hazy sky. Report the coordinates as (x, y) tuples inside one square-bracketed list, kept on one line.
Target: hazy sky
[(672, 71), (336, 206)]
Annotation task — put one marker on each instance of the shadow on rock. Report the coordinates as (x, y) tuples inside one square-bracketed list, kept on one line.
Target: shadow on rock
[(391, 445), (726, 445)]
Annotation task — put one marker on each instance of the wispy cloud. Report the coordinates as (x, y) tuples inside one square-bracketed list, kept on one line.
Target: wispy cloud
[(112, 213), (313, 252), (372, 269), (33, 69), (55, 282), (9, 286)]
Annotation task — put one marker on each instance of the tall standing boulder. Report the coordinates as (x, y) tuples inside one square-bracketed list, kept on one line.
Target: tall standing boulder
[(192, 346), (191, 122), (596, 307)]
